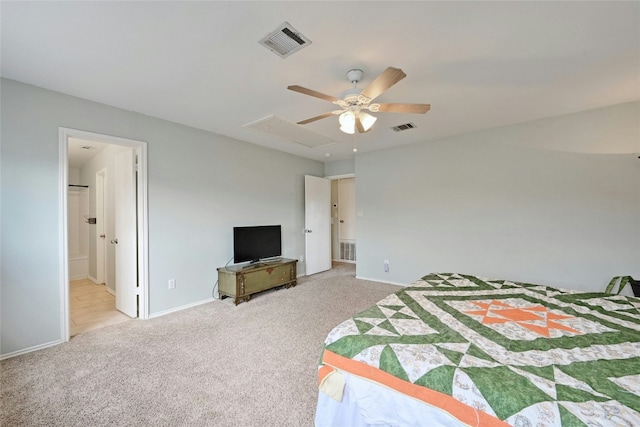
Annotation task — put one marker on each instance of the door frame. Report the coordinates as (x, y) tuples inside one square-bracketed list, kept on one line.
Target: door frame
[(142, 218)]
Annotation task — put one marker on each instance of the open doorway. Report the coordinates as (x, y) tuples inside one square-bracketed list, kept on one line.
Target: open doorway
[(107, 228), (343, 219), (330, 217)]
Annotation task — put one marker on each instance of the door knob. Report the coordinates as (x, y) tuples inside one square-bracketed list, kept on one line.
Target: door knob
[(102, 236), (307, 231), (114, 242), (342, 221)]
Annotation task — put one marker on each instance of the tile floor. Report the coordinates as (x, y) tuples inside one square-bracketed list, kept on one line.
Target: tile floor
[(91, 307)]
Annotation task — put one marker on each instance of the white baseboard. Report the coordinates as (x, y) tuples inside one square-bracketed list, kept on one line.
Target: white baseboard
[(52, 343), (94, 280), (182, 307), (29, 350), (382, 281)]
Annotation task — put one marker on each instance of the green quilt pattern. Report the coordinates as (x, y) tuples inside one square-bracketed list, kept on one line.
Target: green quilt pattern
[(527, 354)]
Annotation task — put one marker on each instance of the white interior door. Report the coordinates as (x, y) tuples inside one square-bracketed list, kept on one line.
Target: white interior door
[(125, 233), (347, 219), (101, 227), (347, 209), (317, 222)]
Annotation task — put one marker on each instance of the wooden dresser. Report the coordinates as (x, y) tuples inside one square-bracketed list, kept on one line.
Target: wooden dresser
[(240, 282)]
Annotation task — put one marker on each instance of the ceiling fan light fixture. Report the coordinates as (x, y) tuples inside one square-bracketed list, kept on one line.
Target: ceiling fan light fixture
[(367, 120), (347, 122)]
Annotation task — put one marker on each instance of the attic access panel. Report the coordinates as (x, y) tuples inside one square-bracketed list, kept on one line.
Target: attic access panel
[(278, 127), (284, 40)]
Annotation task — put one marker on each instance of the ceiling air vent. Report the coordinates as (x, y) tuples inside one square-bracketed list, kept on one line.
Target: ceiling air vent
[(405, 126), (284, 41)]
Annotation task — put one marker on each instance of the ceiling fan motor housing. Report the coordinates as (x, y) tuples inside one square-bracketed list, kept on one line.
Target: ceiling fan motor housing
[(354, 75), (350, 96)]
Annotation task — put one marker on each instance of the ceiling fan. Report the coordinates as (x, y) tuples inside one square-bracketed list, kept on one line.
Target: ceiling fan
[(355, 104)]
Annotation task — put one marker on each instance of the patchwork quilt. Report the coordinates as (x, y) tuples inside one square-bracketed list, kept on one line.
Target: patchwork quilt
[(496, 352)]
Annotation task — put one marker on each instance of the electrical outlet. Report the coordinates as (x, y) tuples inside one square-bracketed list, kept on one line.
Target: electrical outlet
[(386, 265), (301, 258), (172, 283)]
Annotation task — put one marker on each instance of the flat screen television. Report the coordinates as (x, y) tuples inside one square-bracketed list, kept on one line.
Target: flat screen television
[(256, 242)]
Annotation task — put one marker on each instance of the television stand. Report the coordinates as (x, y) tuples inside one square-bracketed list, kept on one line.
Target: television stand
[(241, 282)]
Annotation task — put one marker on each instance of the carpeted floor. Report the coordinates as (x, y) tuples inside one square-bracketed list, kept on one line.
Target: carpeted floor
[(211, 365)]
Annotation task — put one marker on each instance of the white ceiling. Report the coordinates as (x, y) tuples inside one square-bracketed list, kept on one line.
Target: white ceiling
[(80, 151), (479, 64)]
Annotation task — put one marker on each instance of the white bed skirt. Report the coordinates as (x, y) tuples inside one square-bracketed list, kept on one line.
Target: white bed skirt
[(360, 407)]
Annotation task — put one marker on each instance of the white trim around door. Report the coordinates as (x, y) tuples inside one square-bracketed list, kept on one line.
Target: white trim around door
[(140, 148)]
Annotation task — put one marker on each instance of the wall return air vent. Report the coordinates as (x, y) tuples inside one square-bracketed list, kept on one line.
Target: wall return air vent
[(284, 40)]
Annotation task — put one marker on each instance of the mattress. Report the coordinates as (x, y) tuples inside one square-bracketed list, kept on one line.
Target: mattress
[(454, 349)]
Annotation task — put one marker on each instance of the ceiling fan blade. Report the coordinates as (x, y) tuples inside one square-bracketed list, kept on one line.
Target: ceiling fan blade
[(404, 108), (310, 92), (384, 81), (313, 119)]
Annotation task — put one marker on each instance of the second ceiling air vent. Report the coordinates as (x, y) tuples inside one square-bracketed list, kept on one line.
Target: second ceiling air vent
[(284, 40), (405, 126)]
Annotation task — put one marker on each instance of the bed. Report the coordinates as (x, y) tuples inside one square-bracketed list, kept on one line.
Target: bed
[(458, 350)]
